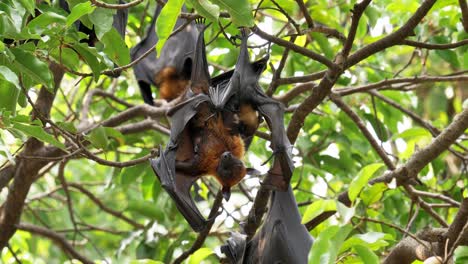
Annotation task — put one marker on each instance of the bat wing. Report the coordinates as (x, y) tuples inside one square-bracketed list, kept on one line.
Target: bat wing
[(283, 166), (178, 187), (200, 76), (282, 238), (180, 147)]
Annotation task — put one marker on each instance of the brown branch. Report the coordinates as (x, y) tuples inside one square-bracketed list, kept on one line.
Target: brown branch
[(58, 239), (202, 236), (305, 12), (393, 38), (301, 79), (388, 83), (362, 127), (435, 46), (456, 229), (438, 196), (25, 171), (284, 43), (294, 92), (464, 11), (116, 6), (357, 12), (254, 219)]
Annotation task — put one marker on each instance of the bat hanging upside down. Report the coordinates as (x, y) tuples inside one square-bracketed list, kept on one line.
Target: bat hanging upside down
[(212, 127)]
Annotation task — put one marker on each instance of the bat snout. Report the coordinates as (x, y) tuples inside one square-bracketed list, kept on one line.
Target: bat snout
[(226, 156)]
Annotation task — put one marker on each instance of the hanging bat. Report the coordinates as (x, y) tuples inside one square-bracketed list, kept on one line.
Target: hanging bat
[(120, 23), (171, 71), (282, 238), (202, 142), (243, 95)]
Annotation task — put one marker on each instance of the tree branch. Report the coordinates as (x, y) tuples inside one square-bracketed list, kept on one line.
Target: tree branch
[(58, 239)]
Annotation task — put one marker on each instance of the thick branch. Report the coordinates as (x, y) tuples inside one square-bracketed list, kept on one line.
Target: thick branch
[(392, 39)]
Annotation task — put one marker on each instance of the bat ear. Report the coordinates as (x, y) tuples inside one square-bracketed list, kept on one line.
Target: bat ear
[(200, 77)]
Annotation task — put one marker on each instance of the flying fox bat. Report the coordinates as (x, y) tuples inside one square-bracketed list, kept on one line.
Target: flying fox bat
[(243, 95), (171, 70), (282, 238), (202, 142), (120, 23)]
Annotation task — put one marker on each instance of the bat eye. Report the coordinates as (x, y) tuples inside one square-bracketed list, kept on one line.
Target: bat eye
[(226, 155)]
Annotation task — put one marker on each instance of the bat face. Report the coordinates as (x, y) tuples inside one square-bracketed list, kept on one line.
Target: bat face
[(230, 169)]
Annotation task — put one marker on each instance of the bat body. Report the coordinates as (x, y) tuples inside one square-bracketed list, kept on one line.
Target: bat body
[(203, 141), (213, 126), (243, 95), (281, 239), (171, 70)]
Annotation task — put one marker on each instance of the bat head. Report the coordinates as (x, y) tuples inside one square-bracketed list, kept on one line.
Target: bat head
[(230, 171)]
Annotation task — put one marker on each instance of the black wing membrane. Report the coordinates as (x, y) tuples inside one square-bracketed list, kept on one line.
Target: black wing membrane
[(177, 52), (282, 238)]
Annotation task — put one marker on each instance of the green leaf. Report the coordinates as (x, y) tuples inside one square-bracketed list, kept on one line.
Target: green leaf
[(102, 20), (29, 5), (146, 208), (449, 56), (240, 11), (45, 20), (366, 255), (89, 58), (362, 179), (38, 133), (326, 246), (9, 76), (115, 48), (206, 9), (33, 67), (200, 255), (373, 193), (8, 96), (98, 138), (318, 207), (67, 57), (324, 44), (78, 11), (413, 133), (461, 255), (166, 21)]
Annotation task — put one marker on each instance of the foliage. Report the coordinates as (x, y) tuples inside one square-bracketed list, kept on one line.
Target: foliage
[(331, 153)]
